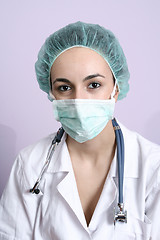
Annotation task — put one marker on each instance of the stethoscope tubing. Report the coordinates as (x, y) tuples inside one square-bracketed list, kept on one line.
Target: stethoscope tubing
[(120, 214), (120, 158), (51, 150)]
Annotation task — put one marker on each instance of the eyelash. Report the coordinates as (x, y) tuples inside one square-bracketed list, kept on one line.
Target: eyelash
[(96, 83), (61, 88)]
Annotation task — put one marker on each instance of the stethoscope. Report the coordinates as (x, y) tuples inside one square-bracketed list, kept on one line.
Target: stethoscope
[(119, 213)]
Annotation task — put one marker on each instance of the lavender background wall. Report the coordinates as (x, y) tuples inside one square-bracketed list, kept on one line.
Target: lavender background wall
[(26, 113)]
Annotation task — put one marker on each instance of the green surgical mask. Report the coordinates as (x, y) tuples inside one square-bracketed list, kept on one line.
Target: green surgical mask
[(84, 119)]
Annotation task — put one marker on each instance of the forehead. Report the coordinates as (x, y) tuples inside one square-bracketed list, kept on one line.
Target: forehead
[(81, 56), (79, 50)]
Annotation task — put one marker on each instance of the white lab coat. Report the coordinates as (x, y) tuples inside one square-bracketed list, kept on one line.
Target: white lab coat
[(56, 213)]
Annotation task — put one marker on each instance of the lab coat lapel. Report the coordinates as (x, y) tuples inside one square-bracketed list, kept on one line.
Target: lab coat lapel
[(68, 190), (109, 192), (107, 197), (67, 187)]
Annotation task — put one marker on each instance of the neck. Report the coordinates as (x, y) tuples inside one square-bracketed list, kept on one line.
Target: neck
[(94, 150)]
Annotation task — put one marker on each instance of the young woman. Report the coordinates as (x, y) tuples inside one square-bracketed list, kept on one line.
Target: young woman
[(84, 71)]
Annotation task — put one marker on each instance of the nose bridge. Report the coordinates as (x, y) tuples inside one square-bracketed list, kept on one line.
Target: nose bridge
[(79, 92)]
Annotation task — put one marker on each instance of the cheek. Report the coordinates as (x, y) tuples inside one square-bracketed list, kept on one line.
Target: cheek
[(105, 92), (54, 92)]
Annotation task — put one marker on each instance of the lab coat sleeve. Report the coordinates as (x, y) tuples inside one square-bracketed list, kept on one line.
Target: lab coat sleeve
[(15, 219), (153, 206)]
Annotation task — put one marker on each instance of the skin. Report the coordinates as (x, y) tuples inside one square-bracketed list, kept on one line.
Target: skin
[(75, 65), (68, 81), (82, 73)]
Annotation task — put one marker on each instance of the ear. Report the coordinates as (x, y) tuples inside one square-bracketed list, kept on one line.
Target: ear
[(117, 93)]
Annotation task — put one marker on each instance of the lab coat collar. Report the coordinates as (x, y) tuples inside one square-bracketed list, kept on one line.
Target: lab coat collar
[(61, 161), (68, 187), (132, 153), (69, 191)]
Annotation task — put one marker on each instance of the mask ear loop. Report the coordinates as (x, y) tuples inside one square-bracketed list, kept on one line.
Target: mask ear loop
[(114, 89), (51, 95)]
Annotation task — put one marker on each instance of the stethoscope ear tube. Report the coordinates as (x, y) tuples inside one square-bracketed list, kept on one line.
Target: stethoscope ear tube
[(58, 136), (120, 214), (51, 150)]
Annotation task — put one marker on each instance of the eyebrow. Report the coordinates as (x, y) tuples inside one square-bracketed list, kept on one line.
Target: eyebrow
[(85, 79)]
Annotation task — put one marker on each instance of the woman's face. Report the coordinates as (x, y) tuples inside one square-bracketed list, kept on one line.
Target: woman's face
[(81, 73)]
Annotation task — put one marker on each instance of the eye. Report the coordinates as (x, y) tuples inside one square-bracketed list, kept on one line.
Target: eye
[(64, 88), (94, 85)]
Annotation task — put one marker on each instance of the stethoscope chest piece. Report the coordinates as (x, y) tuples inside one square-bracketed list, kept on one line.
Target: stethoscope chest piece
[(120, 215)]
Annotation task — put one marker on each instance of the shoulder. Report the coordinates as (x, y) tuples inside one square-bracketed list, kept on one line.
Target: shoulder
[(138, 142), (38, 148), (142, 155), (32, 158)]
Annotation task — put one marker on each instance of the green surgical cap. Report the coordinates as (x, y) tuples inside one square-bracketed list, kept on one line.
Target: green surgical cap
[(88, 35)]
